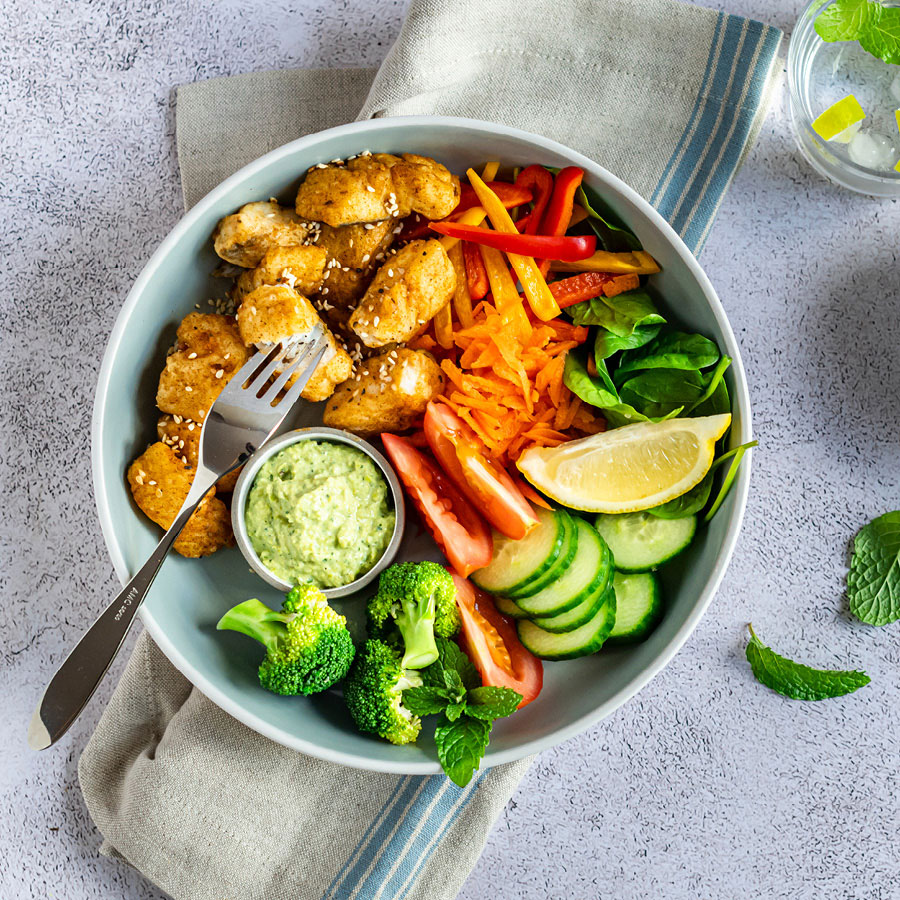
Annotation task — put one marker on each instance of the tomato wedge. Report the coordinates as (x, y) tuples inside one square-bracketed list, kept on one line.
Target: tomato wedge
[(484, 481), (490, 640), (460, 532)]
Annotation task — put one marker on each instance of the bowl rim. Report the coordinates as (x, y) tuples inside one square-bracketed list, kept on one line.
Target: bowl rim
[(739, 490), (329, 435)]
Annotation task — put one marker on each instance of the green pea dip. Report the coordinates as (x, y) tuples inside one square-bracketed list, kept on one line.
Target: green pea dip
[(319, 512)]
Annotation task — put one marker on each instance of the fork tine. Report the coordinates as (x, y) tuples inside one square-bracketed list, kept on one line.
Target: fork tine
[(245, 374), (310, 347), (257, 384), (303, 367)]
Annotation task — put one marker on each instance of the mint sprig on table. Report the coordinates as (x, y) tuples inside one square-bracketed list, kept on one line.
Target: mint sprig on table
[(452, 689), (873, 582), (799, 682), (875, 26)]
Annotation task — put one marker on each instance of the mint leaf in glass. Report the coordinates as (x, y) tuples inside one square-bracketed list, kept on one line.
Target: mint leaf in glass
[(881, 38), (873, 582), (846, 20), (797, 681)]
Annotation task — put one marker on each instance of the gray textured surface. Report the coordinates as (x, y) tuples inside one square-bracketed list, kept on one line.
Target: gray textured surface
[(705, 785)]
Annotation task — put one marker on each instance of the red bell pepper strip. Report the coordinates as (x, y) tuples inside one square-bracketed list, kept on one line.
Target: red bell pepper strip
[(416, 227), (511, 195), (564, 247), (539, 182), (558, 214), (476, 274), (587, 285)]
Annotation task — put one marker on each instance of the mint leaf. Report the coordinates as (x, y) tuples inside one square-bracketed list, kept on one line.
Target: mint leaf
[(455, 710), (846, 20), (492, 702), (873, 583), (451, 658), (460, 746), (797, 681), (425, 700), (881, 37)]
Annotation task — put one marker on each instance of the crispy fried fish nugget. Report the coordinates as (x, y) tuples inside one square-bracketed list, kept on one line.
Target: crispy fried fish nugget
[(391, 395), (208, 351), (275, 313), (243, 237), (406, 292), (422, 185), (346, 194), (160, 483), (300, 267), (183, 436)]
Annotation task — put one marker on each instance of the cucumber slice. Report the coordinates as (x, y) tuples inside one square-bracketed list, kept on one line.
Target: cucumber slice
[(589, 571), (638, 607), (509, 608), (576, 616), (515, 563), (641, 542), (566, 555), (582, 641)]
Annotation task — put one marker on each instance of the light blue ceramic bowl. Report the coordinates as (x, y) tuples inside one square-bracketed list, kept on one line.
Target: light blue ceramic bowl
[(190, 595)]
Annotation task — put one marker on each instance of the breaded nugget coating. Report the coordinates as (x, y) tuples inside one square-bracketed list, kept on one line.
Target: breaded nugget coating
[(160, 483), (422, 185), (371, 188), (207, 344), (183, 436), (275, 313), (391, 395), (406, 292), (346, 194), (243, 237), (300, 267)]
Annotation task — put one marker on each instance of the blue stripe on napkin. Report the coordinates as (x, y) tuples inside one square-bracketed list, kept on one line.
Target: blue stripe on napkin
[(401, 838), (706, 157)]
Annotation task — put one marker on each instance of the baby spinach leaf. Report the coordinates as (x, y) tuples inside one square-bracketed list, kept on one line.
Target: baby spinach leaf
[(620, 314), (712, 399), (873, 583), (688, 504), (797, 681), (659, 392), (460, 746), (606, 343), (594, 392), (612, 232), (671, 350)]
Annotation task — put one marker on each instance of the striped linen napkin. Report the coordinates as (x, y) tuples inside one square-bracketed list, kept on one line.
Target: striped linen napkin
[(667, 96)]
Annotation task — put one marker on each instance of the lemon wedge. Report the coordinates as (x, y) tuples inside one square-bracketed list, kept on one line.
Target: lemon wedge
[(838, 118), (627, 469)]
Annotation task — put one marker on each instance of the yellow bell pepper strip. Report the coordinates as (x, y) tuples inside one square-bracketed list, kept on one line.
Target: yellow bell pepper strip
[(462, 302), (553, 246), (443, 327), (638, 262), (490, 170), (506, 298), (533, 282), (474, 216)]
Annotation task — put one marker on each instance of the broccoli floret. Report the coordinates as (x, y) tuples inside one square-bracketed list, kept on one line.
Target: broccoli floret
[(373, 692), (420, 600), (308, 646)]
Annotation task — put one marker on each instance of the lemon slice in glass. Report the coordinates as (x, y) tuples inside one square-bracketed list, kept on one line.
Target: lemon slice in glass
[(838, 118), (627, 469)]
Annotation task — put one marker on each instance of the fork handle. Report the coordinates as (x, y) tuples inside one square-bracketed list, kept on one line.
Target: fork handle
[(83, 669)]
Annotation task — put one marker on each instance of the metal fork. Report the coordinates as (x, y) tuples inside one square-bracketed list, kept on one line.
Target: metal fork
[(244, 416)]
